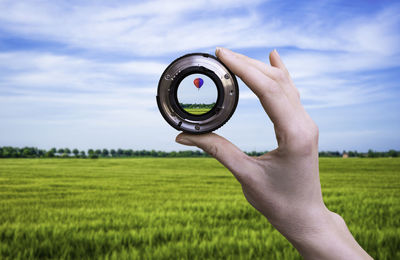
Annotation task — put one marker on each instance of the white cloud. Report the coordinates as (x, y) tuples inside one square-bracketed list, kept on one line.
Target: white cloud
[(332, 80), (152, 28), (45, 70), (309, 64), (149, 28), (37, 87)]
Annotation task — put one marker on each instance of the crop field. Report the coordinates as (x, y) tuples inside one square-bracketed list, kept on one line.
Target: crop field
[(167, 208), (197, 111)]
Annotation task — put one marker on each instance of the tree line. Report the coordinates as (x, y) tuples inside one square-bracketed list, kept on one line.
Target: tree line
[(370, 154), (33, 152), (205, 106)]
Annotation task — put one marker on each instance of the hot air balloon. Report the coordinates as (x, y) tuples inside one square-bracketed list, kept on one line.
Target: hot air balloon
[(198, 82)]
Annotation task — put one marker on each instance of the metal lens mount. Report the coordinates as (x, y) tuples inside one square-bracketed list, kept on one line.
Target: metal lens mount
[(197, 63)]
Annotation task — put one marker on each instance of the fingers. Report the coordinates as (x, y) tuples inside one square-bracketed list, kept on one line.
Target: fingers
[(257, 81), (222, 150), (268, 70), (276, 71), (273, 98)]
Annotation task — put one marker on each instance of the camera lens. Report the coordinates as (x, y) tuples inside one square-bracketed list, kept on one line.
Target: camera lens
[(197, 93)]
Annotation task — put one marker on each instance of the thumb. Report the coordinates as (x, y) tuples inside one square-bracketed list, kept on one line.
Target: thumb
[(221, 149)]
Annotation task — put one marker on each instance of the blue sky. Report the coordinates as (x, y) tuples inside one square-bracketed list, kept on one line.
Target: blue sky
[(189, 94), (84, 74)]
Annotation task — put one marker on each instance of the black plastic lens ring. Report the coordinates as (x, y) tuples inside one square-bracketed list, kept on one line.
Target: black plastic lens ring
[(224, 80)]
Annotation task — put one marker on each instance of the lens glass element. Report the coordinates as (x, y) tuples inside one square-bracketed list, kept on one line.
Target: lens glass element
[(197, 94)]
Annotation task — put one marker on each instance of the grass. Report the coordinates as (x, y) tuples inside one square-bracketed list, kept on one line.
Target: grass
[(183, 208), (197, 111)]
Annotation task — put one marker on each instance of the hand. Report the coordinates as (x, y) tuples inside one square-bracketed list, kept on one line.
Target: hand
[(284, 183)]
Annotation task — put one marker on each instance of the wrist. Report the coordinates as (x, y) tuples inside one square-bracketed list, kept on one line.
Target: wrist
[(324, 235)]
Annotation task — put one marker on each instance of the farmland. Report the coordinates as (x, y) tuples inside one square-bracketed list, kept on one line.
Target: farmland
[(176, 208), (197, 111)]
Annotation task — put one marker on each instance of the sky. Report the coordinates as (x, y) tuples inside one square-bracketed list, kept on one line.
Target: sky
[(84, 74), (188, 93)]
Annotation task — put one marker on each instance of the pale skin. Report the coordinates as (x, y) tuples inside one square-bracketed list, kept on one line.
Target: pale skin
[(282, 184)]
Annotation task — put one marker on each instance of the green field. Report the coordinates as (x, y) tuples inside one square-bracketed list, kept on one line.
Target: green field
[(175, 209), (197, 111)]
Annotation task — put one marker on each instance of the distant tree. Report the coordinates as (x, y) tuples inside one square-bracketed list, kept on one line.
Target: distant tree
[(104, 153), (29, 152), (120, 152), (128, 152), (113, 153), (97, 152), (90, 152), (40, 153), (371, 153), (253, 153), (82, 154), (67, 151), (53, 150), (93, 156), (15, 152), (50, 154), (6, 152), (60, 151), (393, 153), (76, 152), (26, 152)]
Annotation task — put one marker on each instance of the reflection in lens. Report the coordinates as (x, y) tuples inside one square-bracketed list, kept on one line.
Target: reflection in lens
[(197, 94)]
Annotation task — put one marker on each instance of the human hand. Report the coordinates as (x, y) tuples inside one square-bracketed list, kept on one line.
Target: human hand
[(282, 184)]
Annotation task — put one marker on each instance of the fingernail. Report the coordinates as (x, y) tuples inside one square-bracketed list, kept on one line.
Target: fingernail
[(184, 140), (277, 53), (218, 51)]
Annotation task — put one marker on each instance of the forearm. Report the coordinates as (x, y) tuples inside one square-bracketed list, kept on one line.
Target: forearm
[(328, 238)]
